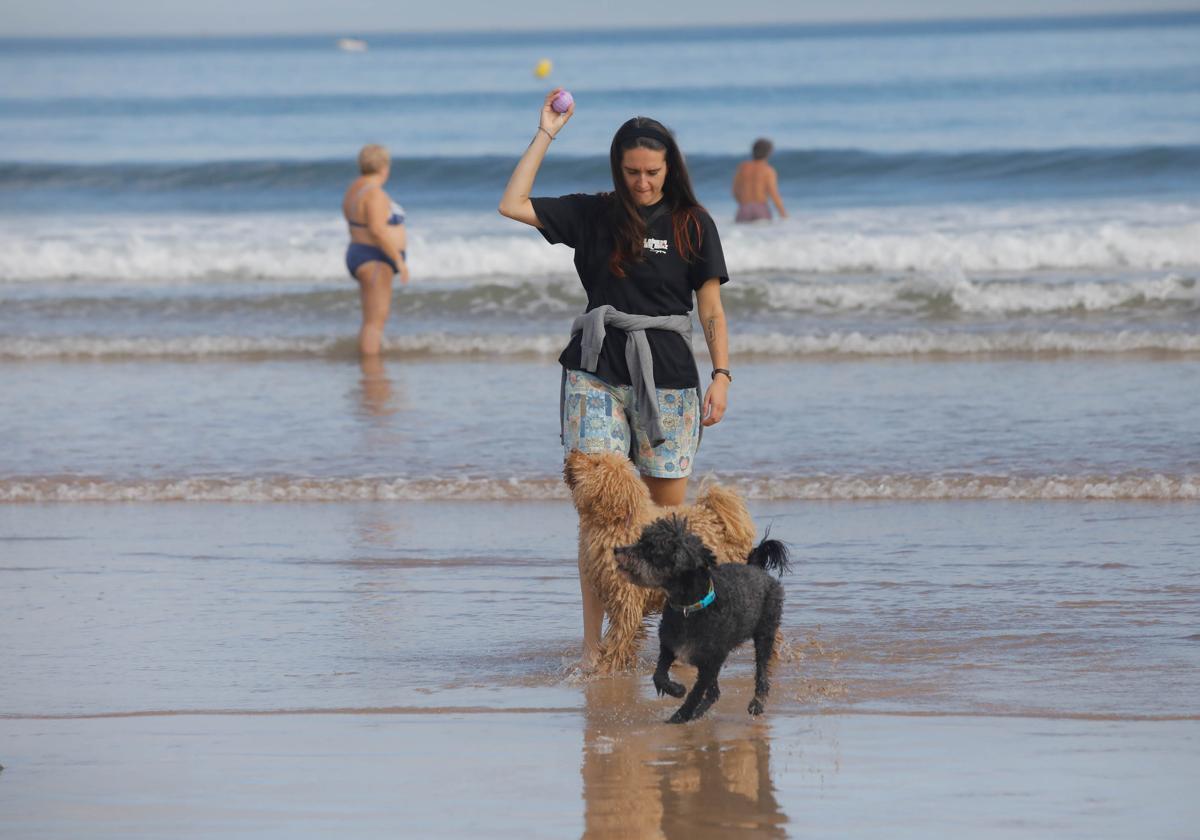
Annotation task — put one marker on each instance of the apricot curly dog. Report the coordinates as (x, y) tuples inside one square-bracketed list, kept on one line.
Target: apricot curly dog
[(614, 506)]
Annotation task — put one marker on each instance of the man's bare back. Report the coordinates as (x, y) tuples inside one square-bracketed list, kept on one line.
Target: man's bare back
[(754, 182), (750, 182)]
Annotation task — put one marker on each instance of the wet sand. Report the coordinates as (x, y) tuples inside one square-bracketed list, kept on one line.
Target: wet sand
[(956, 669), (606, 770)]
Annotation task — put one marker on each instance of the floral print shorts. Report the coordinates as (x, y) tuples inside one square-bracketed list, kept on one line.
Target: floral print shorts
[(598, 417)]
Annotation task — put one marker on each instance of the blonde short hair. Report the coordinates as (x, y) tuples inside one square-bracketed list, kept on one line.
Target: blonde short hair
[(373, 158)]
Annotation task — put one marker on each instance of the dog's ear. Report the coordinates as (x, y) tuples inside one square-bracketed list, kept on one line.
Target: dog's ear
[(694, 555)]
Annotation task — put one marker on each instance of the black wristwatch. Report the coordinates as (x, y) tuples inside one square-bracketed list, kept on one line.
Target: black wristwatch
[(724, 371)]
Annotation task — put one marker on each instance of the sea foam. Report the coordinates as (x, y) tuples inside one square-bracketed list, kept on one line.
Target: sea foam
[(157, 250), (549, 345), (1056, 487)]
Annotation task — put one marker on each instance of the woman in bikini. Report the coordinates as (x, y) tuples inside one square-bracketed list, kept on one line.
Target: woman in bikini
[(377, 244)]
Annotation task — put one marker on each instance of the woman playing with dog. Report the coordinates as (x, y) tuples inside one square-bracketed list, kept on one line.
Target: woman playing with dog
[(642, 252)]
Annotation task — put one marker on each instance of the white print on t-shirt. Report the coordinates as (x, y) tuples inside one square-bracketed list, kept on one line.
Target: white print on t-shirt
[(658, 246)]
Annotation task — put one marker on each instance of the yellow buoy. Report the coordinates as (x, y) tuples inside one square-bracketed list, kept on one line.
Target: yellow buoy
[(543, 68)]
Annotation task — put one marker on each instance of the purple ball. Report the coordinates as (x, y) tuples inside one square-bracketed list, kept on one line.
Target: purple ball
[(562, 102)]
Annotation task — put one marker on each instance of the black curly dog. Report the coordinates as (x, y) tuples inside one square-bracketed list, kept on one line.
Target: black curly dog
[(711, 608)]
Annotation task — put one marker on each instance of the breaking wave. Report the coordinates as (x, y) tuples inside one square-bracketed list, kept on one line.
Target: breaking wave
[(811, 488), (549, 345), (145, 250), (934, 295)]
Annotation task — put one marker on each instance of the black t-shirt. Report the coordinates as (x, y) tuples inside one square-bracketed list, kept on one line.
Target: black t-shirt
[(662, 283)]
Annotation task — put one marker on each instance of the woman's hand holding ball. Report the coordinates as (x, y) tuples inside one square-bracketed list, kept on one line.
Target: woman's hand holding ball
[(558, 107)]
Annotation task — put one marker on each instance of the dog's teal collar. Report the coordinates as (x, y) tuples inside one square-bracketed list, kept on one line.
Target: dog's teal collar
[(701, 604)]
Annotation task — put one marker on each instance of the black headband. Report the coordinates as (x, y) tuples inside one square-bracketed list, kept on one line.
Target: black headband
[(635, 131)]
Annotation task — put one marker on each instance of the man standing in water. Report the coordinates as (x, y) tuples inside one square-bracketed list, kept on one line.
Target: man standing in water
[(754, 182)]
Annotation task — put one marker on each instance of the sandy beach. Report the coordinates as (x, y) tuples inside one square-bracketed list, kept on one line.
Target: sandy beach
[(592, 772), (376, 669)]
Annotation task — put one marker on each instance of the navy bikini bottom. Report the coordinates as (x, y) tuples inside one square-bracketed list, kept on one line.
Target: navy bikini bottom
[(358, 253)]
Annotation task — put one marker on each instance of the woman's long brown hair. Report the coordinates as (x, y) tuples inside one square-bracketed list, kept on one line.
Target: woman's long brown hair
[(628, 226)]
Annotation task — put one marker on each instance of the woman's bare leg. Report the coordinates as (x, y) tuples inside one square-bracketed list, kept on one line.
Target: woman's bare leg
[(593, 620), (666, 492), (375, 291)]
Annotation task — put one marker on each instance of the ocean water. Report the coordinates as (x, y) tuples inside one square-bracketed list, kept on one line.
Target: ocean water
[(987, 287), (967, 394)]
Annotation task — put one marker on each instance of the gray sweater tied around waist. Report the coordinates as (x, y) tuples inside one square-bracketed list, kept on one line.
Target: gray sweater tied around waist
[(637, 356)]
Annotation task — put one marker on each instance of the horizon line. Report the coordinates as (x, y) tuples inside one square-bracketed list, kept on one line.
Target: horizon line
[(1164, 13)]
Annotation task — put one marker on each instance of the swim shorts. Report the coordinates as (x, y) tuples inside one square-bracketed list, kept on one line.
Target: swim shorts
[(753, 211), (598, 417)]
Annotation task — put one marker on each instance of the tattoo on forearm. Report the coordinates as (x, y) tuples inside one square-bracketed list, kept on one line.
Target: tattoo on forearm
[(710, 329)]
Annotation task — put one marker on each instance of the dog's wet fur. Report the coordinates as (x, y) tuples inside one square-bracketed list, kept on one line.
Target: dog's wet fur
[(614, 507), (748, 605)]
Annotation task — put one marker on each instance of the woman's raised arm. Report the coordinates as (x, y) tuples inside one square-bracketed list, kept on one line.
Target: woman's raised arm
[(515, 203)]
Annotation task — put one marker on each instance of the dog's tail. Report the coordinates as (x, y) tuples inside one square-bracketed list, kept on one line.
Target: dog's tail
[(771, 555)]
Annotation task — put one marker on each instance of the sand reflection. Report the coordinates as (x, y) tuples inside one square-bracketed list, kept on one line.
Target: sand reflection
[(645, 779)]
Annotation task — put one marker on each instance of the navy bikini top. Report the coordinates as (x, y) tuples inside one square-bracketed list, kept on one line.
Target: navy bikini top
[(396, 217)]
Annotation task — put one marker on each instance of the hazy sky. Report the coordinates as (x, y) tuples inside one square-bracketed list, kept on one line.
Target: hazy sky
[(226, 17)]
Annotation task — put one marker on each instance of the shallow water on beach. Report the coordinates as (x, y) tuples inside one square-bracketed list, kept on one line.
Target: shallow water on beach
[(1063, 610), (295, 667), (331, 430)]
